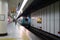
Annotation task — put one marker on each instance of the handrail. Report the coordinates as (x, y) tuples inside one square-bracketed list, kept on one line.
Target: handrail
[(42, 34)]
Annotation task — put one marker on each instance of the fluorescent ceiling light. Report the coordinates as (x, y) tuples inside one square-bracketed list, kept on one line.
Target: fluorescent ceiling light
[(22, 6)]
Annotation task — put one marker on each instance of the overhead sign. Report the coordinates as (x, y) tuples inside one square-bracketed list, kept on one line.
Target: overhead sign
[(13, 10)]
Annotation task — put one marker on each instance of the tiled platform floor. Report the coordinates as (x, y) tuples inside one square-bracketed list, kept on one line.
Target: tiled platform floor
[(15, 32)]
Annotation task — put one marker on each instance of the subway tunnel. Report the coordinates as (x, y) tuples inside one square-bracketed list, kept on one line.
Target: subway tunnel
[(29, 20)]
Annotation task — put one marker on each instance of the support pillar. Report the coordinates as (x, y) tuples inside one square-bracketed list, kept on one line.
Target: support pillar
[(3, 17)]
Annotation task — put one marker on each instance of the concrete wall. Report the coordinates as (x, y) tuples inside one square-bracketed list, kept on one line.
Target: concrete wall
[(3, 11), (50, 18)]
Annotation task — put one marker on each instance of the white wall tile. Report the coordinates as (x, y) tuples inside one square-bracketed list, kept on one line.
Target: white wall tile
[(52, 19), (56, 18)]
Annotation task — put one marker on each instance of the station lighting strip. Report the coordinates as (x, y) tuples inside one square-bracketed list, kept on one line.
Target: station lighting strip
[(21, 9)]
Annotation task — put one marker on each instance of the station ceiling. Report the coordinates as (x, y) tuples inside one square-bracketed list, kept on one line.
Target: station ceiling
[(37, 4), (13, 3)]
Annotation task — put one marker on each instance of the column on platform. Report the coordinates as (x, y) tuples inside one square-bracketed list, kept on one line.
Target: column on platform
[(3, 17)]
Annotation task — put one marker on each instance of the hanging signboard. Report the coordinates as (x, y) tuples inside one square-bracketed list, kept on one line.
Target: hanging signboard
[(13, 10), (39, 20)]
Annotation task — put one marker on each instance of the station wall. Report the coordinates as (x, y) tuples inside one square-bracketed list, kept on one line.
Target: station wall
[(50, 18)]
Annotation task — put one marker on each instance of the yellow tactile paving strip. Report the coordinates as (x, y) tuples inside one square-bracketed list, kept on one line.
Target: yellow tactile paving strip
[(8, 39)]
